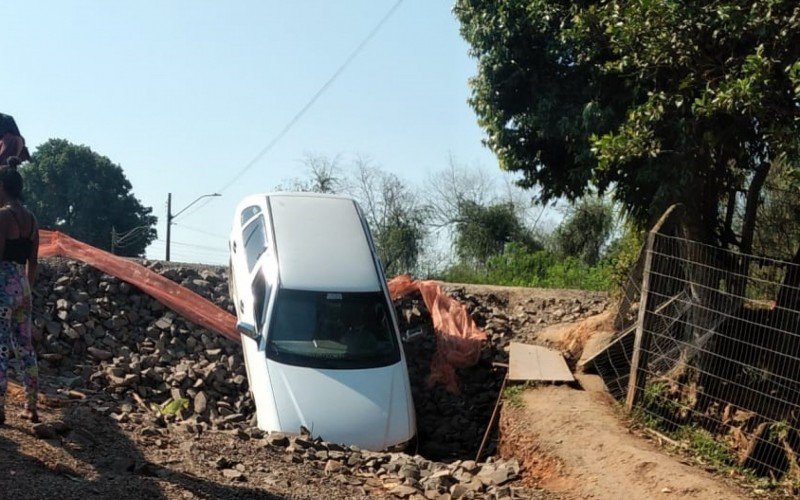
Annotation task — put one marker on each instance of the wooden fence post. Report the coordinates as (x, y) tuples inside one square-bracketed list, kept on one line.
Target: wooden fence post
[(641, 343)]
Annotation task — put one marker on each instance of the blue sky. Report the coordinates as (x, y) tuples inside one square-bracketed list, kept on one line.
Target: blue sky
[(184, 94)]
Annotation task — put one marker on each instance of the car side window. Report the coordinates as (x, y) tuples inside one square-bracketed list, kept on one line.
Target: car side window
[(261, 293), (255, 241), (250, 212)]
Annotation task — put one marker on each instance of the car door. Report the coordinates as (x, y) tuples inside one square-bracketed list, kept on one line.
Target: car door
[(254, 292)]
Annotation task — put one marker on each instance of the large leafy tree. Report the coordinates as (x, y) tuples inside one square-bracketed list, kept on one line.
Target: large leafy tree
[(483, 231), (663, 101), (72, 189), (586, 230)]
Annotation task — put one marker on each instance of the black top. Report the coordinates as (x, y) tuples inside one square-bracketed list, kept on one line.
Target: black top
[(18, 249)]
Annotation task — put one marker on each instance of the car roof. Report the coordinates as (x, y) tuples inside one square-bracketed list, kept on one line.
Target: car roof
[(321, 243)]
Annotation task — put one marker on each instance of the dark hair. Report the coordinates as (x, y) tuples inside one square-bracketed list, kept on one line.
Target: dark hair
[(8, 125), (10, 179)]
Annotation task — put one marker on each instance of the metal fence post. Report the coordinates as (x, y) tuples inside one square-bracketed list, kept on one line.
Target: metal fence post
[(641, 344)]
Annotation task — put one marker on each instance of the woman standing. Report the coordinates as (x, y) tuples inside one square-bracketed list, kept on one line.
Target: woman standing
[(19, 251)]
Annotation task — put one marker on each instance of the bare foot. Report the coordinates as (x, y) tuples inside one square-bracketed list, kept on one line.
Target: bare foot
[(31, 415)]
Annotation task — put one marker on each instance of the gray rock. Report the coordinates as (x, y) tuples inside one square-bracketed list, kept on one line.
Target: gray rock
[(233, 474), (164, 323), (53, 327), (333, 467), (100, 354), (80, 310), (200, 403), (44, 431), (404, 491), (278, 439)]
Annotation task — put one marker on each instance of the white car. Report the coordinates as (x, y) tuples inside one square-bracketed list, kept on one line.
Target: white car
[(320, 338)]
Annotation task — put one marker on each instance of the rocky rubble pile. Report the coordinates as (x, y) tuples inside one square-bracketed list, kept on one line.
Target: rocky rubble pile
[(402, 475), (522, 322), (102, 333)]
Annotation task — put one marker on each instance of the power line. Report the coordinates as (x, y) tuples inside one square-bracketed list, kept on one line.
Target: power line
[(200, 231), (198, 247), (316, 96), (308, 104)]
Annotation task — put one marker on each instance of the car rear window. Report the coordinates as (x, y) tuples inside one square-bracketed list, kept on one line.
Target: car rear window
[(249, 212), (332, 330), (255, 241)]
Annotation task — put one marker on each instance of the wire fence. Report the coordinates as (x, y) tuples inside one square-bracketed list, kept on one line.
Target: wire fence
[(709, 352)]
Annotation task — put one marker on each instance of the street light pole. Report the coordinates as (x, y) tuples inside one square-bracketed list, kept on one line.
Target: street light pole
[(171, 216), (169, 222)]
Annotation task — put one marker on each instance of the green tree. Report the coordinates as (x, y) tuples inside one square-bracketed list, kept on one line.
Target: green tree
[(585, 230), (72, 189), (394, 214), (667, 101), (778, 231), (483, 231)]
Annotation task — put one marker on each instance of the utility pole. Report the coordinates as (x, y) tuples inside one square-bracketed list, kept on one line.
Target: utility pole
[(169, 222), (171, 216)]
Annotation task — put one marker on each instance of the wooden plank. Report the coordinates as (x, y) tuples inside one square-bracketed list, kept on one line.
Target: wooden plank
[(632, 329), (533, 362), (641, 344)]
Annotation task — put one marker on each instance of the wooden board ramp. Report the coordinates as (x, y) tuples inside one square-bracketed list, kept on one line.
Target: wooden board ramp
[(537, 363)]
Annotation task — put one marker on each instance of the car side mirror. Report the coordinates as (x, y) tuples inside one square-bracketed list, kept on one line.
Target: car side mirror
[(247, 329), (411, 334)]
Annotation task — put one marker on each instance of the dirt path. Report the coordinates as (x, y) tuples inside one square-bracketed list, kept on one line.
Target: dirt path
[(574, 444)]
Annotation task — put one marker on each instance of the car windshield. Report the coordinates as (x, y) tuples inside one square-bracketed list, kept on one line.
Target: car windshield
[(332, 330)]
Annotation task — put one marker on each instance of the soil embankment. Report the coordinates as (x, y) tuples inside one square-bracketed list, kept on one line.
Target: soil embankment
[(573, 442)]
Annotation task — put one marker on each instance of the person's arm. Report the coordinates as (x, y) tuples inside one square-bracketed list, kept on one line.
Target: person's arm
[(5, 148), (33, 257)]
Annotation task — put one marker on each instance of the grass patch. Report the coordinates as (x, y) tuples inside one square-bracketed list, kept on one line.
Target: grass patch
[(512, 394), (517, 266), (660, 411), (174, 406), (708, 448)]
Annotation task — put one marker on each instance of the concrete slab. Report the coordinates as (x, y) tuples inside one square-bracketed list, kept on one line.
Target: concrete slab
[(533, 362)]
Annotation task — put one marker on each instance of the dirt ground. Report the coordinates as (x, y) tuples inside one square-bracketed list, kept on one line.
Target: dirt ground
[(574, 444), (101, 458)]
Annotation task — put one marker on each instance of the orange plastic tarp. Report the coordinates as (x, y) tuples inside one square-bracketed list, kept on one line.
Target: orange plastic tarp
[(180, 299), (458, 338)]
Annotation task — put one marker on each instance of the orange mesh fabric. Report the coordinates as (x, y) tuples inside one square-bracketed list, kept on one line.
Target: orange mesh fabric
[(458, 338), (180, 299)]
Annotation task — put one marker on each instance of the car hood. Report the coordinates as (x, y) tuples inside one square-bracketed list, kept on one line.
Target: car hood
[(370, 408)]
